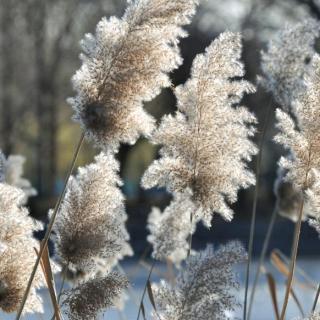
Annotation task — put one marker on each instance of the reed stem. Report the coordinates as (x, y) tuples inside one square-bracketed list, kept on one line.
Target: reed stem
[(315, 300), (254, 209), (293, 260), (44, 242), (145, 289), (262, 257)]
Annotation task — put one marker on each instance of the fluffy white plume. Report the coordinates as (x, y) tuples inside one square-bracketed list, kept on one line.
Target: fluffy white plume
[(90, 232), (203, 289), (11, 171), (125, 63), (17, 253), (89, 299), (169, 231), (303, 143), (287, 61), (206, 145)]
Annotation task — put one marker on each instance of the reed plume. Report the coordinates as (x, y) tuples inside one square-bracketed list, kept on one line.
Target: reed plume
[(302, 139), (17, 253), (286, 62), (11, 172), (124, 64), (206, 145), (203, 289), (89, 299), (169, 231), (90, 232)]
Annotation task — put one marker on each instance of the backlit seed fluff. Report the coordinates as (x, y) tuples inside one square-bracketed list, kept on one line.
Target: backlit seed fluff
[(286, 61), (17, 253), (313, 200), (303, 163), (11, 171), (204, 287), (90, 226), (126, 63), (206, 145), (89, 299), (169, 231)]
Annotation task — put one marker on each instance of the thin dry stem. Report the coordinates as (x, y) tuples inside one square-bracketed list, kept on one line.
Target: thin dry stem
[(145, 289), (49, 228), (262, 257), (254, 210), (314, 305), (293, 261)]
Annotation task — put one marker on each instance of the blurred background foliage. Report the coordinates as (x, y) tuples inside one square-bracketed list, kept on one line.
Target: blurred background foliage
[(39, 48)]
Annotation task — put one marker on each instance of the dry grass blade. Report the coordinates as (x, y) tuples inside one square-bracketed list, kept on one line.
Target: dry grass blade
[(296, 300), (141, 308), (278, 262), (314, 305), (310, 283), (262, 257), (281, 262), (150, 294), (273, 293), (47, 271)]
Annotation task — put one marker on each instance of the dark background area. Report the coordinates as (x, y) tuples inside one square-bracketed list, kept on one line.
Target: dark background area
[(38, 55)]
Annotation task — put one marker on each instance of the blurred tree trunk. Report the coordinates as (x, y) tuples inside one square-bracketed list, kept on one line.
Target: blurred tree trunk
[(7, 71), (46, 68)]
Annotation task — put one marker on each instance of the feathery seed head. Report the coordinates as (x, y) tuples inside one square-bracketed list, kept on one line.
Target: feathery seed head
[(88, 299), (303, 139), (91, 222), (203, 289), (126, 63), (287, 61), (170, 230), (206, 145), (11, 171), (17, 254)]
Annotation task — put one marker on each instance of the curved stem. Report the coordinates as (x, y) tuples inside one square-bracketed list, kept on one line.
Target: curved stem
[(44, 242), (293, 260), (145, 289), (315, 300), (262, 257), (295, 244), (254, 210)]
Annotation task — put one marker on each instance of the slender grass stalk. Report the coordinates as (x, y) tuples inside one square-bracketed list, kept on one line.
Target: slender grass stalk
[(254, 209), (315, 300), (145, 288), (64, 274), (44, 242), (295, 245), (262, 256), (293, 260), (190, 236)]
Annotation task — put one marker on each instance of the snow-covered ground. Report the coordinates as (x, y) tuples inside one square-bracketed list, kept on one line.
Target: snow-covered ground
[(262, 310)]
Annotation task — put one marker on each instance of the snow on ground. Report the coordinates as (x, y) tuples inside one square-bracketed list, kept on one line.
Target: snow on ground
[(262, 310)]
